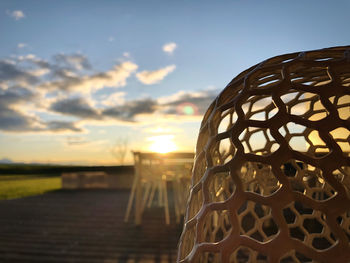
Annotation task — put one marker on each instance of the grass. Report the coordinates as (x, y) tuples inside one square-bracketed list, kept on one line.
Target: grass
[(18, 186)]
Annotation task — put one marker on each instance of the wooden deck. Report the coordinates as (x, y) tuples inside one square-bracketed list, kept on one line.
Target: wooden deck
[(83, 226)]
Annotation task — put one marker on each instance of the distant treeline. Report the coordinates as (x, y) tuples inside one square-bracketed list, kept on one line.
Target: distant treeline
[(6, 169)]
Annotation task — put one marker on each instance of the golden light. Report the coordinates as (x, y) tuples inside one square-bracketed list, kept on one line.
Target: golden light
[(162, 143)]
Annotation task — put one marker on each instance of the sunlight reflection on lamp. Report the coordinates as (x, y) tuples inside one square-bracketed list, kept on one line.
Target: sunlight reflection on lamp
[(162, 143)]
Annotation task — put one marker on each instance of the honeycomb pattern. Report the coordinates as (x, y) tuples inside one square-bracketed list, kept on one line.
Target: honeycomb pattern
[(272, 166)]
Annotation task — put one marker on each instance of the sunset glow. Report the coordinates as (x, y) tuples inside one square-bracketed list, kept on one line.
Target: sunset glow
[(162, 144), (73, 86)]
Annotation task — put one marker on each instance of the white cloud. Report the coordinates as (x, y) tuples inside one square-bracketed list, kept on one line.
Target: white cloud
[(39, 72), (16, 14), (152, 77), (115, 77), (111, 39), (22, 45), (116, 98), (74, 61), (169, 47)]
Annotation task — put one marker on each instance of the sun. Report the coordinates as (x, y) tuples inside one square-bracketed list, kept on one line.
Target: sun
[(162, 143)]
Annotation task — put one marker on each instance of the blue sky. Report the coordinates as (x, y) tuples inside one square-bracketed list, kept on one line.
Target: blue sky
[(77, 76)]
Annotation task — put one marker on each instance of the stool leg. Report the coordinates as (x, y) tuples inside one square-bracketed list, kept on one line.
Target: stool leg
[(166, 206), (131, 199), (146, 195), (151, 197), (160, 193), (176, 194)]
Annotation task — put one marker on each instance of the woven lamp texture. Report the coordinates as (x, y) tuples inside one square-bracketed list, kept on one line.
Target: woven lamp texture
[(271, 179)]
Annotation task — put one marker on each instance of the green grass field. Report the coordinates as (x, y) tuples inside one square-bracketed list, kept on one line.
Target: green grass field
[(17, 186)]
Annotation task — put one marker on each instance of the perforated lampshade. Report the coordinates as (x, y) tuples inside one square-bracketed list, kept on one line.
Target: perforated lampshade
[(271, 180)]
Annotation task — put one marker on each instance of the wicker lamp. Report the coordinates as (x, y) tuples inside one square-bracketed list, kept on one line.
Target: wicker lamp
[(271, 180)]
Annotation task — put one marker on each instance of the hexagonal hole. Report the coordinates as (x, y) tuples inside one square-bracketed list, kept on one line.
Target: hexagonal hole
[(342, 104), (299, 143), (242, 208), (297, 186), (312, 225), (315, 139), (258, 178), (187, 243), (195, 204), (291, 96), (295, 129), (242, 254), (262, 108), (321, 243), (257, 141), (225, 124), (220, 187), (261, 210), (300, 109), (217, 226), (199, 169), (308, 179), (342, 137), (261, 103), (269, 227), (318, 116), (302, 209), (289, 215), (245, 254), (296, 232), (248, 222), (291, 168), (257, 236), (323, 195)]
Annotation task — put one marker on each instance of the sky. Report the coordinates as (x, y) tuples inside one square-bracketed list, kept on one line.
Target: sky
[(80, 78)]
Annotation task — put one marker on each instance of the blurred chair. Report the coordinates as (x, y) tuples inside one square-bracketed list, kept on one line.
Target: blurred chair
[(271, 179), (153, 173)]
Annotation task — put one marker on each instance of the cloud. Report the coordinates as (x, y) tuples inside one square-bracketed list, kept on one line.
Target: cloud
[(59, 126), (15, 117), (16, 14), (31, 84), (115, 98), (21, 45), (111, 39), (73, 61), (10, 72), (70, 81), (13, 120), (66, 73), (152, 77), (130, 109), (197, 101), (76, 141), (36, 93), (78, 107), (169, 48), (15, 95)]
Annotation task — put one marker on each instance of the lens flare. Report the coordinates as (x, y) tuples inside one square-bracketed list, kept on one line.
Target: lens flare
[(187, 108)]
